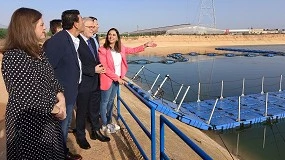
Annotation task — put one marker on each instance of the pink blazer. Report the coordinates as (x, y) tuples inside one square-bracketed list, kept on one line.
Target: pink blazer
[(107, 61)]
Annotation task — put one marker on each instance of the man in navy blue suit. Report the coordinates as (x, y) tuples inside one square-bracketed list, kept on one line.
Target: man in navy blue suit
[(88, 100), (61, 50)]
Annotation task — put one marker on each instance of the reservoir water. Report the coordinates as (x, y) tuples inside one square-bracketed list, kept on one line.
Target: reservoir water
[(261, 141)]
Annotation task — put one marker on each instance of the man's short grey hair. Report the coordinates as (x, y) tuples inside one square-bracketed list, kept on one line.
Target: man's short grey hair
[(85, 19)]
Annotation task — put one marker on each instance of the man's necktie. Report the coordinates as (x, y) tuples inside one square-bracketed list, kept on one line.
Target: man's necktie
[(91, 48)]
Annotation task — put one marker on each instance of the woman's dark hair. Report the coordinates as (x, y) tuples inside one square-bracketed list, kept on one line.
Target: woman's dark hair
[(68, 18), (21, 32), (117, 46)]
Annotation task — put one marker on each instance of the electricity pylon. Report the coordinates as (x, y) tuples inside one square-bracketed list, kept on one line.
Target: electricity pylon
[(207, 17)]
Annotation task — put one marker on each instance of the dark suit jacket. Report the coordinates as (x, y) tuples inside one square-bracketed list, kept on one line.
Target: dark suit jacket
[(90, 79), (62, 55)]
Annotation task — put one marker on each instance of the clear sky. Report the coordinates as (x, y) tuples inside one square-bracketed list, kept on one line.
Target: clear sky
[(130, 15)]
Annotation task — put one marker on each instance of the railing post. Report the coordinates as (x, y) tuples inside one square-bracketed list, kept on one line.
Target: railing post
[(182, 99), (242, 92), (266, 104), (262, 83), (118, 103), (153, 139), (280, 85), (174, 101), (149, 91), (160, 86), (138, 72), (161, 136), (199, 92), (222, 90), (238, 109), (209, 121)]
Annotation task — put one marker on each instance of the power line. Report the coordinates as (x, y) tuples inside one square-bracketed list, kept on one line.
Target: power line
[(207, 17)]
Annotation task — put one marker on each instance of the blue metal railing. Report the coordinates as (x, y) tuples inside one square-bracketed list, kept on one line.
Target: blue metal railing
[(152, 134), (189, 142)]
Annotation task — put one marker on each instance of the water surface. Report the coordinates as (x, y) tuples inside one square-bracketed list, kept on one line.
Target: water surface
[(260, 141)]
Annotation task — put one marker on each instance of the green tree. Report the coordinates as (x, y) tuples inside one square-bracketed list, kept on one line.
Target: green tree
[(3, 33)]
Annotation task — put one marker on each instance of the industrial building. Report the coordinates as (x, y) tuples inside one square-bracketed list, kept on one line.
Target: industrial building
[(188, 29), (181, 29)]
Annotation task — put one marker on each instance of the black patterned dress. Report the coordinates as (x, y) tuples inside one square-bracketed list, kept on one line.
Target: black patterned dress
[(32, 131)]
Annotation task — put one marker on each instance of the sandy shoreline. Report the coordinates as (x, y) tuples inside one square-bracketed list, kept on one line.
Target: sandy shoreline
[(200, 44), (197, 43)]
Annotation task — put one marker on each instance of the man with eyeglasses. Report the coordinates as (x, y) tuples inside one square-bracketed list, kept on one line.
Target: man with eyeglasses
[(88, 100)]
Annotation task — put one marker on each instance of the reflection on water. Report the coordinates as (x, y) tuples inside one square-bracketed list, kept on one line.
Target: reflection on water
[(258, 142)]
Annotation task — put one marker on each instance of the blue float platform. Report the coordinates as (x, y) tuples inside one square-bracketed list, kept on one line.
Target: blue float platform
[(253, 109), (263, 52)]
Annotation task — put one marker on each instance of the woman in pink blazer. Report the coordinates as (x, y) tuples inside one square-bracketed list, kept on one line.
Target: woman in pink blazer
[(112, 56)]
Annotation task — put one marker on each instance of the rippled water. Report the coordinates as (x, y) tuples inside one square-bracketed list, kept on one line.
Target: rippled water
[(258, 142)]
